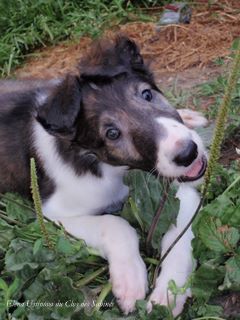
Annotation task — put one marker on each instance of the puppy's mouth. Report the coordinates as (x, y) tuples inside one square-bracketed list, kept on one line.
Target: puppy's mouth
[(196, 171)]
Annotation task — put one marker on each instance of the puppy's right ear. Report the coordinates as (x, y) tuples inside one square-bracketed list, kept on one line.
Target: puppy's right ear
[(59, 112)]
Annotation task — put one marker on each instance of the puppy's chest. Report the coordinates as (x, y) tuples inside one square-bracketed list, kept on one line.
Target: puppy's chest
[(74, 194), (83, 195)]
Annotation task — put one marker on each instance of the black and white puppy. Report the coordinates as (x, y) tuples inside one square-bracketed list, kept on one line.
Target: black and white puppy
[(85, 132)]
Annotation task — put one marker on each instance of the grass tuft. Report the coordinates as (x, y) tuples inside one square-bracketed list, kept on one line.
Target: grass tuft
[(26, 25)]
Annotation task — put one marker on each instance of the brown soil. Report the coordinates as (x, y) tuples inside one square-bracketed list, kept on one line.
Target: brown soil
[(184, 50), (230, 303), (191, 77)]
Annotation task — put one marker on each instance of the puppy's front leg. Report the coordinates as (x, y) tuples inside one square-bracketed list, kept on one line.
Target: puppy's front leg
[(117, 241), (178, 265)]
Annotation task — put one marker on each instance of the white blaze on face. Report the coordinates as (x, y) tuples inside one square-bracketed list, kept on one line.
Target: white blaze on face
[(171, 145)]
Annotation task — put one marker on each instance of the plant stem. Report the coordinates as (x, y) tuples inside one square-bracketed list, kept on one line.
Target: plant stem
[(91, 277), (3, 204), (151, 261), (38, 204), (105, 291), (157, 217), (232, 185), (9, 220)]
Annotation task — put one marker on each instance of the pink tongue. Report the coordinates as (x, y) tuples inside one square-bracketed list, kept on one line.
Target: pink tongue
[(195, 169)]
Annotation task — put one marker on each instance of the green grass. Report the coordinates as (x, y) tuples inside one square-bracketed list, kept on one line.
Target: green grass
[(30, 24), (26, 25)]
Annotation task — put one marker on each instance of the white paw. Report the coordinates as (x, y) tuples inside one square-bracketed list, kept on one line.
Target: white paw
[(192, 119), (177, 266), (129, 281), (163, 296)]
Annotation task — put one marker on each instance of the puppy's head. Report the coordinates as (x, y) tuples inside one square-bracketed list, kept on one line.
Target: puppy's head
[(115, 112)]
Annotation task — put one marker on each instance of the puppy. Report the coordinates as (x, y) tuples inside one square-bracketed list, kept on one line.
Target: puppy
[(85, 132)]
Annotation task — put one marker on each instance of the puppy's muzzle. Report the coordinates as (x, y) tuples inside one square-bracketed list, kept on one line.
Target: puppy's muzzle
[(187, 157)]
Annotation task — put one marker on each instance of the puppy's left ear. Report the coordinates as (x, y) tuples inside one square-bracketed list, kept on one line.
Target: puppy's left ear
[(129, 52), (58, 114)]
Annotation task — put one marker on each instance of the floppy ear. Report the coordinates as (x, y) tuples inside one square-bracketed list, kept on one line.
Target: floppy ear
[(129, 52), (58, 114)]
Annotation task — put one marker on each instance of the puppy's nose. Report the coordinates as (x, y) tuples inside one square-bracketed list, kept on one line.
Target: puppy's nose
[(187, 155)]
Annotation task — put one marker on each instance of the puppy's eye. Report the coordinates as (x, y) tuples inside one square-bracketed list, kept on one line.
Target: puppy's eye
[(147, 95), (113, 134)]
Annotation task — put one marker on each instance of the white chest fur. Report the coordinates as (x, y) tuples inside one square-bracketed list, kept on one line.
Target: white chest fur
[(76, 195)]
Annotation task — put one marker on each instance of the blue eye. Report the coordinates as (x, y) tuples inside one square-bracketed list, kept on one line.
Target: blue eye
[(113, 134), (147, 95)]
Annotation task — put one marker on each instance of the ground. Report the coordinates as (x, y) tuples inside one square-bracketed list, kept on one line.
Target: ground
[(187, 52)]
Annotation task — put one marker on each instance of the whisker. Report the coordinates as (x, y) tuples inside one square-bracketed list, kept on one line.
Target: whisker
[(149, 174)]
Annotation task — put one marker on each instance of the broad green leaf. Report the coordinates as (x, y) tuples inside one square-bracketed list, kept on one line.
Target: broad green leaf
[(32, 231), (14, 287), (141, 306), (146, 192), (6, 234), (38, 244), (227, 205), (21, 254), (232, 276), (64, 246), (3, 285), (65, 301), (159, 313), (205, 280), (18, 208), (207, 311), (135, 212), (217, 237)]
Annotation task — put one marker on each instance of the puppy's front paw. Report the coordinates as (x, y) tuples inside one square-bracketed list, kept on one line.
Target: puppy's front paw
[(129, 281), (163, 296), (192, 119), (167, 298)]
